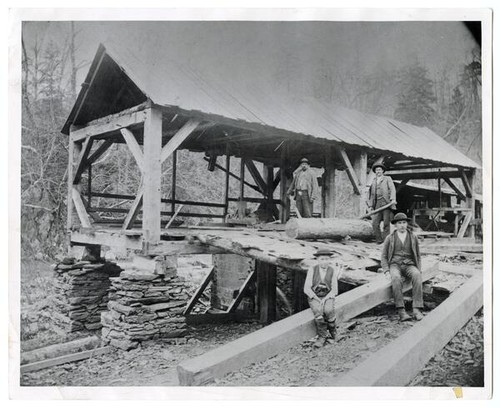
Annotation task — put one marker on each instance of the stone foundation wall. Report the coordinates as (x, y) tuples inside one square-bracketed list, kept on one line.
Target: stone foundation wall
[(81, 293), (144, 305)]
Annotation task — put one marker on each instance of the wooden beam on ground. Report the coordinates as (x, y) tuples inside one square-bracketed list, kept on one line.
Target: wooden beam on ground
[(134, 147), (241, 293), (80, 208), (350, 171), (254, 172), (182, 134), (111, 123), (455, 188), (266, 291), (401, 360), (151, 204), (82, 355), (82, 160), (284, 334), (199, 291), (217, 318)]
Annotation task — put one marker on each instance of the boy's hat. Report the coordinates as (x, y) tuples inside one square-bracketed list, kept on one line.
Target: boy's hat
[(323, 252), (304, 160), (400, 217)]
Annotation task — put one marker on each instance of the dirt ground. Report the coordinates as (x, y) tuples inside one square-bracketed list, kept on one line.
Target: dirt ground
[(154, 363)]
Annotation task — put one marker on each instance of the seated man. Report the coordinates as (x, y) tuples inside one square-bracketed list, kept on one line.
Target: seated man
[(401, 258), (321, 288)]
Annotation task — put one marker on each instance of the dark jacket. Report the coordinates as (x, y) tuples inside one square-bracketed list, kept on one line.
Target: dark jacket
[(388, 191), (312, 183), (388, 250)]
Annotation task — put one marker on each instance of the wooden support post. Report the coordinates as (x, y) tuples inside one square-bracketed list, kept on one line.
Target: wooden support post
[(266, 291), (471, 201), (241, 203), (400, 361), (268, 172), (82, 160), (174, 178), (226, 184), (329, 202), (151, 219), (465, 180), (73, 150), (361, 168), (284, 184), (350, 171), (286, 333), (299, 297)]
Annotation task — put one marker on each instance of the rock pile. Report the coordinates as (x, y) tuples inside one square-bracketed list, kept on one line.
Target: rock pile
[(81, 293), (144, 305)]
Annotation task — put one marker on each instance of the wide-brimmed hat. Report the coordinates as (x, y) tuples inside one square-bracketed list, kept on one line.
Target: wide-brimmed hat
[(304, 160), (378, 165), (400, 217), (323, 252)]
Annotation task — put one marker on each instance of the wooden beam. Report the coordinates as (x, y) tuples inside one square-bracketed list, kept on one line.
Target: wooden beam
[(424, 174), (134, 208), (82, 355), (226, 183), (105, 145), (111, 123), (254, 172), (218, 166), (73, 150), (350, 171), (328, 189), (286, 333), (266, 291), (218, 318), (455, 188), (199, 291), (361, 167), (276, 180), (471, 200), (134, 147), (465, 225), (467, 186), (151, 217), (403, 183), (82, 160), (241, 293), (182, 134), (80, 208), (284, 184), (174, 179), (401, 360)]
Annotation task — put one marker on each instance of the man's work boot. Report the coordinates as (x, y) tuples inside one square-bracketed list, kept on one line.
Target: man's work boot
[(332, 329), (322, 332), (403, 316), (417, 314)]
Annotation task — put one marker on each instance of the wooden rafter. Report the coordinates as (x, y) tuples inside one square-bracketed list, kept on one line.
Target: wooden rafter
[(80, 208), (455, 188), (350, 171), (82, 160), (134, 147)]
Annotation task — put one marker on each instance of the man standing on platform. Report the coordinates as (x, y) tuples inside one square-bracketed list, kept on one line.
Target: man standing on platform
[(304, 188), (401, 258), (382, 193)]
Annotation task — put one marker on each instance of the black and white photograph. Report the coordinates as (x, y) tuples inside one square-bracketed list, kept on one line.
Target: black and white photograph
[(254, 202)]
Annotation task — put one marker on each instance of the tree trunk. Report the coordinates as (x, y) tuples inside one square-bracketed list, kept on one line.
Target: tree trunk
[(328, 228)]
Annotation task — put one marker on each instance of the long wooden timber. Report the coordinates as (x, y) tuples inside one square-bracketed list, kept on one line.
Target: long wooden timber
[(401, 360), (277, 337)]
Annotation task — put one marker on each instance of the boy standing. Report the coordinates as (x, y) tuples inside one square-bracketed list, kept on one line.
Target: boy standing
[(321, 288)]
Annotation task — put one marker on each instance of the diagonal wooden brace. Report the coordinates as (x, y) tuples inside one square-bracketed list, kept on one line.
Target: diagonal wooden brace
[(350, 171), (134, 147)]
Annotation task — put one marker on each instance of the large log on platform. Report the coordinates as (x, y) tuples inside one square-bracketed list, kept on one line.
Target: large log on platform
[(400, 361), (284, 334), (328, 228)]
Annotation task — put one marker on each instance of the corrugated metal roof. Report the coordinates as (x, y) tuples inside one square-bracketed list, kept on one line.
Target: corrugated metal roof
[(169, 84)]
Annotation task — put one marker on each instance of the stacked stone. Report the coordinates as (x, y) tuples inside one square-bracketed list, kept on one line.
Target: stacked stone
[(144, 305), (81, 293)]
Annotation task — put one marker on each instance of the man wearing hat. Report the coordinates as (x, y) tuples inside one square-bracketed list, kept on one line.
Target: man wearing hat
[(401, 258), (321, 288), (382, 192), (304, 188)]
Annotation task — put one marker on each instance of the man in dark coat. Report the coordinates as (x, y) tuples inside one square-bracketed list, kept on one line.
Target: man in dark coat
[(382, 192), (401, 258), (304, 189)]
